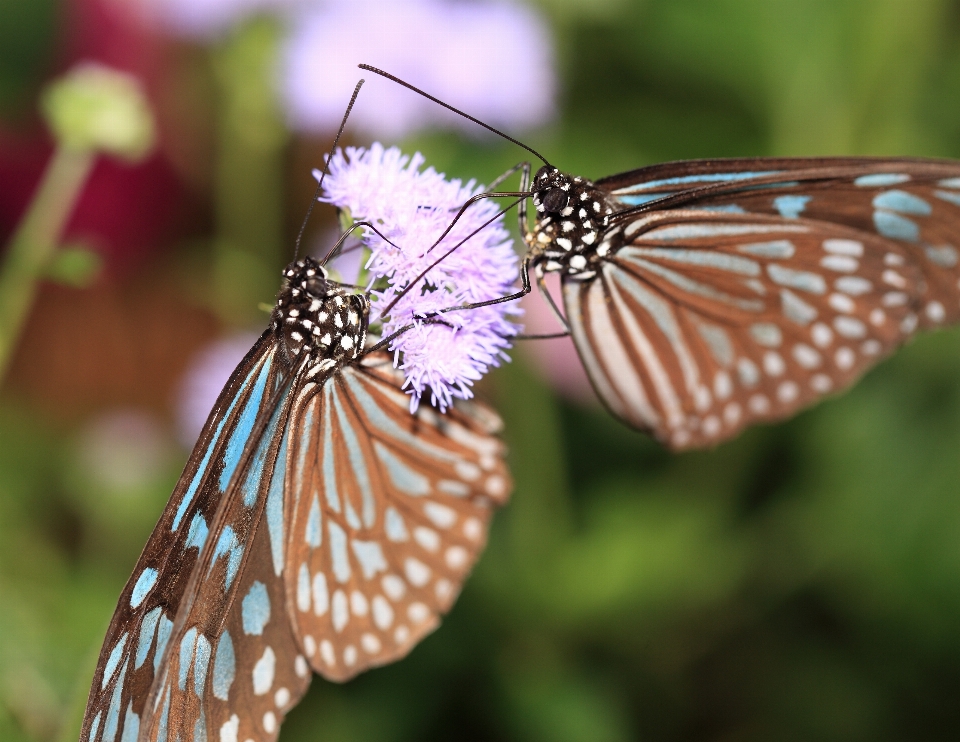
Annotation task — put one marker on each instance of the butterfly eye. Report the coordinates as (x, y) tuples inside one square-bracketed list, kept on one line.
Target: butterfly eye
[(317, 286), (554, 200)]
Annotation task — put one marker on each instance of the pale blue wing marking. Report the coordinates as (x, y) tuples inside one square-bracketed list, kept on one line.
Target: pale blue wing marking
[(164, 628), (112, 719), (387, 426), (881, 179), (187, 648), (131, 725), (211, 447), (94, 727), (164, 717), (197, 535), (359, 465), (314, 534), (896, 227), (778, 249), (329, 462), (113, 660), (254, 475), (700, 258), (224, 667), (403, 477), (802, 280), (200, 664), (248, 418), (200, 728), (693, 287), (953, 198), (902, 201), (255, 609), (370, 556), (147, 629), (275, 505), (790, 207), (338, 552), (228, 545), (724, 209), (145, 583), (690, 179), (702, 231), (641, 198)]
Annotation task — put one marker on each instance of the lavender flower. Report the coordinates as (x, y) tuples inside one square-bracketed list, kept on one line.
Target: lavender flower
[(412, 207), (494, 59)]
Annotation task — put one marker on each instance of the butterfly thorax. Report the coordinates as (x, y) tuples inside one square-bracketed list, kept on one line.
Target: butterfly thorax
[(571, 217), (318, 321)]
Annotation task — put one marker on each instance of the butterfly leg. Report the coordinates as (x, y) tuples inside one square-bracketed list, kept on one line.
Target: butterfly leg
[(524, 166)]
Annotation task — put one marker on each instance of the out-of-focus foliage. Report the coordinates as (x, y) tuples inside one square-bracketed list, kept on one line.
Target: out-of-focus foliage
[(800, 583)]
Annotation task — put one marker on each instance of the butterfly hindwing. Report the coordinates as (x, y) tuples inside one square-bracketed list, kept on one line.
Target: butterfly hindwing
[(705, 322), (913, 202), (142, 623), (391, 512)]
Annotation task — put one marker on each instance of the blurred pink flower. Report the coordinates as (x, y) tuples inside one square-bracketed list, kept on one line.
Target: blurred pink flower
[(205, 377), (556, 360), (494, 59), (413, 206)]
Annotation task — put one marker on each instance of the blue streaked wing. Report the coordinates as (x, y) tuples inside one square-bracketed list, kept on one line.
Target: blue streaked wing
[(390, 513), (708, 322), (914, 203), (142, 623)]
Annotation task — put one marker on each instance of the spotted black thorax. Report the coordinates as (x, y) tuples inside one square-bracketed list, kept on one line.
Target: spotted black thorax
[(318, 319), (570, 235)]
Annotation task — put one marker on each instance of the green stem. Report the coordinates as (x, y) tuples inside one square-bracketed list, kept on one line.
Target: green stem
[(35, 241), (249, 187)]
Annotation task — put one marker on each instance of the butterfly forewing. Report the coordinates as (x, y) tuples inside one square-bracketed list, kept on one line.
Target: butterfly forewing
[(140, 629), (915, 203), (706, 322), (391, 512)]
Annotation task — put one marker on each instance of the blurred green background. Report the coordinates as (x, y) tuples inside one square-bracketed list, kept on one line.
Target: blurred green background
[(799, 583)]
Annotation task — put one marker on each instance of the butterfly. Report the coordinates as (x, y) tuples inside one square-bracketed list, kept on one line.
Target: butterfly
[(704, 296), (707, 295), (317, 526)]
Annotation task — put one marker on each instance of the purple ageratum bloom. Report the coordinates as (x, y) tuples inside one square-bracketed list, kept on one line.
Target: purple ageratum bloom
[(493, 59), (412, 207)]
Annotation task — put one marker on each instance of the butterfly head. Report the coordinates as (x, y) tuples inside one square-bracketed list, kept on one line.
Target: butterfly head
[(571, 217), (318, 319)]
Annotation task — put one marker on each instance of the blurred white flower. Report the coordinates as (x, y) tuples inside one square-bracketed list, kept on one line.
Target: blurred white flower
[(493, 59), (203, 381)]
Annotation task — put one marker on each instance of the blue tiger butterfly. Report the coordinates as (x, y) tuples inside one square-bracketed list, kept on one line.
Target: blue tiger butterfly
[(317, 526), (707, 295)]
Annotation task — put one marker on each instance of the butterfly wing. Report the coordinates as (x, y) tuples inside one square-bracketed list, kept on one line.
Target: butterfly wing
[(232, 667), (913, 202), (143, 620), (707, 322), (390, 513)]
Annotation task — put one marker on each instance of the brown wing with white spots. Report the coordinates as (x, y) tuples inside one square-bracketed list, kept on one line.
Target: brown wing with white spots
[(390, 513), (913, 202), (708, 322)]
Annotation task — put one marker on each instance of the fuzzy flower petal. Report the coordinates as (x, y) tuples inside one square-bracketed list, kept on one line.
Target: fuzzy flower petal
[(494, 59), (412, 206)]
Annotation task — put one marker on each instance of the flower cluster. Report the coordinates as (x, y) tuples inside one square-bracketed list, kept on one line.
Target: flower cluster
[(412, 207)]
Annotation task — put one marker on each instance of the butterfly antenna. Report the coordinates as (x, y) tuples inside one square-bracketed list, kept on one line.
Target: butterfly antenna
[(326, 167), (457, 111)]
